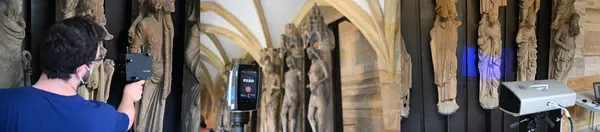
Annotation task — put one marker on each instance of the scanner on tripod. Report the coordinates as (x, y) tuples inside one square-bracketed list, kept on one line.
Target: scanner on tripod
[(137, 66), (243, 93)]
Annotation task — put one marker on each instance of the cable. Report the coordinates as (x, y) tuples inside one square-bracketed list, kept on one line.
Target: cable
[(551, 103), (570, 122)]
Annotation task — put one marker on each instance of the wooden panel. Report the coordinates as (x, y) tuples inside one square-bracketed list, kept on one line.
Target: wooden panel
[(411, 33), (337, 85), (476, 117), (41, 17), (458, 121), (510, 26), (118, 22)]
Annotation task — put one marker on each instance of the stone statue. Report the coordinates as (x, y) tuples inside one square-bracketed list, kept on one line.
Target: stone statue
[(153, 29), (527, 41), (291, 99), (564, 38), (319, 79), (271, 90), (14, 66), (291, 111), (444, 39), (191, 108), (562, 11), (98, 85), (224, 123), (90, 8), (190, 111), (292, 44), (490, 53), (320, 41)]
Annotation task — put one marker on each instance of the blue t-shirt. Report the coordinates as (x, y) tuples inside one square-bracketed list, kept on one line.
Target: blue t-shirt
[(29, 109)]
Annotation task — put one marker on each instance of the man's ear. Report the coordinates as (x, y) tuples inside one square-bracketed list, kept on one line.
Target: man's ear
[(80, 71)]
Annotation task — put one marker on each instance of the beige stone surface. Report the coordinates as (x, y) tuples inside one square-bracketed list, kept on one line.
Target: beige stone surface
[(592, 65), (361, 98), (591, 42)]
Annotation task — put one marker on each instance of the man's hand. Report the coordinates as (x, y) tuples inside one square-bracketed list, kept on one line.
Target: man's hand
[(133, 91)]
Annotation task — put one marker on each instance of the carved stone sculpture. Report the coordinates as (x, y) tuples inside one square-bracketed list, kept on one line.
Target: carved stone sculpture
[(291, 100), (319, 41), (98, 85), (191, 95), (271, 90), (319, 79), (564, 38), (90, 8), (224, 123), (153, 29), (562, 11), (291, 112), (527, 41), (490, 52), (14, 66), (444, 39)]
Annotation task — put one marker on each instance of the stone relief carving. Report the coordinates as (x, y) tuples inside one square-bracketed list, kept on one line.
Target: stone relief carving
[(565, 29), (319, 42), (527, 41), (90, 8), (271, 91), (490, 53), (224, 123), (292, 101), (444, 39), (564, 38), (98, 85), (562, 10), (14, 69), (190, 111), (153, 29)]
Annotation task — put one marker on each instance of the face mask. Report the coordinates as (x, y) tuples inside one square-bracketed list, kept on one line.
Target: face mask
[(85, 77)]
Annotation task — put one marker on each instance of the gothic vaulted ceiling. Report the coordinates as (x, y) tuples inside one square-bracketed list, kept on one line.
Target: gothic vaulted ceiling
[(240, 28)]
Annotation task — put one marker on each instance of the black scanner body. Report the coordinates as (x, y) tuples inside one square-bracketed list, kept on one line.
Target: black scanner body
[(137, 66)]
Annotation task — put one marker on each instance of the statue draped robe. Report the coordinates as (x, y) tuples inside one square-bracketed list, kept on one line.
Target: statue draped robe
[(155, 32)]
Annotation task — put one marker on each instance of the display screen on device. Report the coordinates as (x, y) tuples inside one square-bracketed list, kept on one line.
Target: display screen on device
[(248, 85), (597, 91)]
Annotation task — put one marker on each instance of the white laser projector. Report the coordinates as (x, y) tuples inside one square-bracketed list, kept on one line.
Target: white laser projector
[(529, 97)]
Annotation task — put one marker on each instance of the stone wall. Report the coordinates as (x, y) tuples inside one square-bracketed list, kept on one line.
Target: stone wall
[(361, 99), (586, 69)]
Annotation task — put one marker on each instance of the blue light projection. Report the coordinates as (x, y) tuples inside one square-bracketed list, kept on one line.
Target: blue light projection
[(470, 61)]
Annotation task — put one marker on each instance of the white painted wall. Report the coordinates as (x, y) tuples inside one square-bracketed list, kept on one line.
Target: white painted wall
[(277, 14), (209, 44)]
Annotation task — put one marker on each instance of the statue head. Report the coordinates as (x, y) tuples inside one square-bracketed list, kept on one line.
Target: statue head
[(444, 12), (165, 5), (290, 29), (11, 8), (289, 61), (574, 24), (170, 5)]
